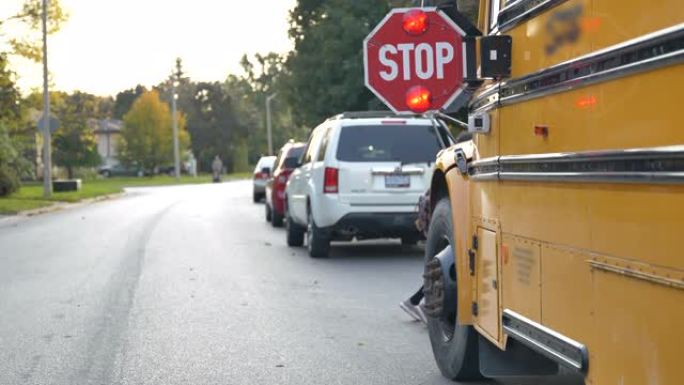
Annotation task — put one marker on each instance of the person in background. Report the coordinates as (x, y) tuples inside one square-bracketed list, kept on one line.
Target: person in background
[(217, 168)]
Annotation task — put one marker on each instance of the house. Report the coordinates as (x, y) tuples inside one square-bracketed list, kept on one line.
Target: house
[(107, 133)]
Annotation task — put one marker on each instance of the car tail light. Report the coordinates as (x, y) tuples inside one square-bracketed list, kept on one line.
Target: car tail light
[(258, 175), (331, 181)]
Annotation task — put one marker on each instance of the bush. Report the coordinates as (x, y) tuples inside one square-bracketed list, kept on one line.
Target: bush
[(9, 182), (86, 173)]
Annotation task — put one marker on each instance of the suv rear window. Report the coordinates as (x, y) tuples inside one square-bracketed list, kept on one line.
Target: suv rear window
[(386, 143), (293, 157), (296, 152)]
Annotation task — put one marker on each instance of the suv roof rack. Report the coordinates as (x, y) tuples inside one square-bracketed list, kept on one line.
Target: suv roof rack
[(370, 115)]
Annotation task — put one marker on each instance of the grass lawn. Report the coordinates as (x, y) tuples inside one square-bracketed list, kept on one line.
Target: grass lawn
[(30, 196), (13, 206)]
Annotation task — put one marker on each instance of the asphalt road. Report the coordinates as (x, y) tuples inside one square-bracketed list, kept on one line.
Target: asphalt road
[(190, 285)]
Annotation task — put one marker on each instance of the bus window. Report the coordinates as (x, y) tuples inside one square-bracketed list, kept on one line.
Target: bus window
[(494, 7)]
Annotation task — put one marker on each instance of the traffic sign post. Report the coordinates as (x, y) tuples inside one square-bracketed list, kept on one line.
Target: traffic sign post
[(418, 60), (53, 124)]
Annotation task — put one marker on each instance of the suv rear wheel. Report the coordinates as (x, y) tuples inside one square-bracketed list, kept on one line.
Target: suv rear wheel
[(454, 345), (317, 242), (294, 232)]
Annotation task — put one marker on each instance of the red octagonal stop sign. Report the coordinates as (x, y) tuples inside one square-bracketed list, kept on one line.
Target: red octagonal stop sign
[(415, 60)]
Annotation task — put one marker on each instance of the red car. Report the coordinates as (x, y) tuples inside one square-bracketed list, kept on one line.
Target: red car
[(285, 163)]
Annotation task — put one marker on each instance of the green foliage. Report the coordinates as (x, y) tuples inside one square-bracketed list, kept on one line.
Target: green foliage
[(214, 126), (10, 118), (469, 8), (74, 144), (124, 100), (147, 136), (264, 75), (9, 182), (240, 157), (30, 17), (325, 70)]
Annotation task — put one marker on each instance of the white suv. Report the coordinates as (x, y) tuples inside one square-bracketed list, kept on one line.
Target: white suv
[(361, 176)]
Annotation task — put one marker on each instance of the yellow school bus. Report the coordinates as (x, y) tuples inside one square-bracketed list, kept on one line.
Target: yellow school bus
[(556, 240)]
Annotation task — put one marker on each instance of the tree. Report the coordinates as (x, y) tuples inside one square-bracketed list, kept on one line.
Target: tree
[(214, 125), (325, 70), (147, 137), (29, 17), (10, 118), (263, 76), (124, 100), (74, 143)]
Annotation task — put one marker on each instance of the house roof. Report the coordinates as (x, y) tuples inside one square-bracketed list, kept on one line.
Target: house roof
[(106, 126)]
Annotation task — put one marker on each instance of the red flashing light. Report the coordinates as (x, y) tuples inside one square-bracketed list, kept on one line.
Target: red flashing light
[(331, 181), (419, 99), (415, 22)]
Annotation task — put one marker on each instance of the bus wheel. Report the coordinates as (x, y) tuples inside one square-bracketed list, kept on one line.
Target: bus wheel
[(454, 345)]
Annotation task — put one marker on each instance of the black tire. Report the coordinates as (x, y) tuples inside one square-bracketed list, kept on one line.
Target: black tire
[(269, 213), (316, 241), (106, 174), (276, 219), (256, 197), (409, 241), (453, 345), (293, 231)]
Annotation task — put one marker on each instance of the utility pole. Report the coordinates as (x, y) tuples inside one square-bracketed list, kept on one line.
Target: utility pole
[(47, 135), (176, 155), (268, 122)]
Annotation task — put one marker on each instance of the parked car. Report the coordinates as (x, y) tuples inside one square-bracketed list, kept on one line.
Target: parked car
[(170, 170), (120, 170), (361, 177), (262, 171), (287, 160)]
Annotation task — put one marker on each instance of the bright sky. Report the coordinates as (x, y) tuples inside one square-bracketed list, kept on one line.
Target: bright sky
[(111, 45)]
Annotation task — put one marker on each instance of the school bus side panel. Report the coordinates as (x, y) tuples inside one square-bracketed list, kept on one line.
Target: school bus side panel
[(615, 21), (608, 252)]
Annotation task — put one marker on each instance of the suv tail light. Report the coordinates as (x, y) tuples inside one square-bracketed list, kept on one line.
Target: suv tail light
[(330, 181)]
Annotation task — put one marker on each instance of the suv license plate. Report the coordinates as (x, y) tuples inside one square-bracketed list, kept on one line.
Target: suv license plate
[(397, 180)]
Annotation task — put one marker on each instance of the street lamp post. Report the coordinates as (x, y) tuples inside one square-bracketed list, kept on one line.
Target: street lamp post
[(268, 122), (47, 150), (176, 155)]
